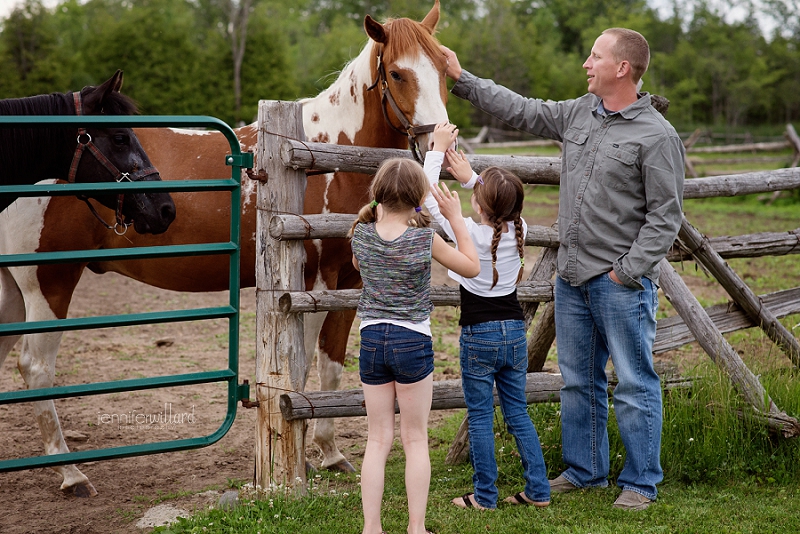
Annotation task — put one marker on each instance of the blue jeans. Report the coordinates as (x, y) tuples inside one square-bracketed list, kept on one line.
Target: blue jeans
[(594, 321), (391, 353), (495, 353)]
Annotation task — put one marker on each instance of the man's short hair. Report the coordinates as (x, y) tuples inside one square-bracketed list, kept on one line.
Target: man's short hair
[(631, 46)]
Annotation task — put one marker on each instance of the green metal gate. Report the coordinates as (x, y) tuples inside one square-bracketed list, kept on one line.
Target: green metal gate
[(237, 160)]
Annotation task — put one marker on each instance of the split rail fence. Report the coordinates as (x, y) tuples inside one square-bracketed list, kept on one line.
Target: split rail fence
[(282, 301)]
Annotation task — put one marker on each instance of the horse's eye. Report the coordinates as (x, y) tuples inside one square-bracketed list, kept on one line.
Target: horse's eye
[(120, 139), (395, 76)]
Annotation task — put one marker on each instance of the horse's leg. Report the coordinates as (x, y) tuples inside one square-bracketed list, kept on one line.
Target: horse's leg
[(37, 365), (312, 323), (330, 362), (12, 310)]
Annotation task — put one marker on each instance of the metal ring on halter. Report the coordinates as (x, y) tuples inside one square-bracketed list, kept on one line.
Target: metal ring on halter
[(87, 135), (124, 228), (124, 176)]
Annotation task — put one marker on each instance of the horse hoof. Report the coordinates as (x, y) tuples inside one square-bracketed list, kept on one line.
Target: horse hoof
[(310, 468), (83, 490), (344, 466)]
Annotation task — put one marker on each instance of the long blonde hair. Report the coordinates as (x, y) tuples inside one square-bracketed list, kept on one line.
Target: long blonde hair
[(400, 184), (499, 193)]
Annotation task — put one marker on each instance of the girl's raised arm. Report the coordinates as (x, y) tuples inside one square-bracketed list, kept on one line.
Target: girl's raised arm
[(464, 259)]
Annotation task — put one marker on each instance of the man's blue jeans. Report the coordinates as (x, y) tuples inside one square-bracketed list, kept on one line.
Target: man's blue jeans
[(495, 353), (599, 319)]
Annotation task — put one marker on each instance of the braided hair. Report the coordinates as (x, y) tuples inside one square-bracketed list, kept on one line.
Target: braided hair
[(499, 193)]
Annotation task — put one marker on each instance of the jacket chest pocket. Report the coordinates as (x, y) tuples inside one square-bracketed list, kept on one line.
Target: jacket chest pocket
[(574, 144), (619, 167)]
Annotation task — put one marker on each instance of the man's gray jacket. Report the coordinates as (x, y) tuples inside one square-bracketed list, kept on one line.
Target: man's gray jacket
[(621, 192)]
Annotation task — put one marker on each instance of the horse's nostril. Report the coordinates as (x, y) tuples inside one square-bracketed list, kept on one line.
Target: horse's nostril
[(168, 212)]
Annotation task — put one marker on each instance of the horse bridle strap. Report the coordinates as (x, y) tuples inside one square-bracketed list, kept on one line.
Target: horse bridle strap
[(386, 96), (102, 159), (76, 158)]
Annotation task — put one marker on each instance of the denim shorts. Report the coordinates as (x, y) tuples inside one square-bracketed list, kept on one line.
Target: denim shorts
[(391, 353)]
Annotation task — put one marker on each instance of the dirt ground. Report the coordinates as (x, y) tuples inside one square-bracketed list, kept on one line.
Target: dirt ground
[(127, 488)]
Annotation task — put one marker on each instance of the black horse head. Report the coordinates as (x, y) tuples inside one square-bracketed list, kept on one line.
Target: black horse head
[(28, 155)]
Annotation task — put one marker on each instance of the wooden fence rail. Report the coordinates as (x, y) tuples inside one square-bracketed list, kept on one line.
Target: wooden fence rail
[(333, 225), (531, 170)]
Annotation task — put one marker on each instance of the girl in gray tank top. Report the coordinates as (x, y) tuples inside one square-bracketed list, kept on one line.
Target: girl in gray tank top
[(393, 248)]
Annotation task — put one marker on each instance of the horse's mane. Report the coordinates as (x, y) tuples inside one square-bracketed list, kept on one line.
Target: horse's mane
[(52, 104), (21, 148), (115, 103), (407, 35)]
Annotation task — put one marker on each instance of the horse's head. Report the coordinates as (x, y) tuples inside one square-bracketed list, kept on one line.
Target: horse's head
[(409, 70), (118, 155)]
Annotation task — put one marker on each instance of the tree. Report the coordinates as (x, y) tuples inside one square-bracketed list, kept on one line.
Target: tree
[(154, 42), (230, 19), (31, 61)]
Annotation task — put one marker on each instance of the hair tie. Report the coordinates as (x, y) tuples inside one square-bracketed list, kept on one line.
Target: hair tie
[(480, 179), (418, 209), (522, 261), (373, 204)]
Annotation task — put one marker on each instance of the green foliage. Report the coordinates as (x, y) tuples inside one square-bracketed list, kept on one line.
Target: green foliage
[(267, 73), (178, 58), (321, 53), (31, 60), (159, 54), (711, 436)]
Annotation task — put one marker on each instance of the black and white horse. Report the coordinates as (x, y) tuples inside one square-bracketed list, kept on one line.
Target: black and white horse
[(31, 154)]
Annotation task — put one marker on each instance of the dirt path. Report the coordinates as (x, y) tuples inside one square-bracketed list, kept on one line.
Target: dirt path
[(127, 488)]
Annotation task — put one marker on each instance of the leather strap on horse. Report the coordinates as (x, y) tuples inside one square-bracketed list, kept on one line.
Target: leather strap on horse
[(386, 96), (76, 158), (116, 173)]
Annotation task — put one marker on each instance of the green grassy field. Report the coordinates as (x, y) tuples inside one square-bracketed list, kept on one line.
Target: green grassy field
[(724, 472)]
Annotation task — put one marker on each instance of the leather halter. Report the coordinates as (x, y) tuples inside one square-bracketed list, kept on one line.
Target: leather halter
[(407, 128), (116, 173)]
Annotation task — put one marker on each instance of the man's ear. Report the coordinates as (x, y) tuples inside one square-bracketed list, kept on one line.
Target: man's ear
[(624, 69)]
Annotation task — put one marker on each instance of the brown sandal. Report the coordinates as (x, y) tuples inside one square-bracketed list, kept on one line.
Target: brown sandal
[(466, 502), (521, 499)]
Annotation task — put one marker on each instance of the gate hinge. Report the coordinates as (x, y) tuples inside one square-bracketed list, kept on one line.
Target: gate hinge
[(244, 160), (243, 394)]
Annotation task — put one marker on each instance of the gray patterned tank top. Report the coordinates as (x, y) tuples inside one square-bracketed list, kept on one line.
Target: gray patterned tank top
[(396, 274)]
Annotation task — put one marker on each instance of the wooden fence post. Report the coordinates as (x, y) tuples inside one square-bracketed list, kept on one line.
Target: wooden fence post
[(739, 291), (544, 332), (280, 351), (791, 135)]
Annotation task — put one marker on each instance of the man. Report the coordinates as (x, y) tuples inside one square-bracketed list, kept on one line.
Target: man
[(620, 208)]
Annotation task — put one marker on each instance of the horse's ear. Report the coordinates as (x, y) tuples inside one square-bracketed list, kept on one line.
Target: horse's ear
[(432, 18), (375, 30), (94, 97), (117, 81)]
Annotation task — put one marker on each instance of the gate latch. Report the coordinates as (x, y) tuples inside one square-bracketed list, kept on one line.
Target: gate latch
[(244, 160)]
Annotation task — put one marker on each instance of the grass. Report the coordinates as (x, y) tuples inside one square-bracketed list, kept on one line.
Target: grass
[(723, 473)]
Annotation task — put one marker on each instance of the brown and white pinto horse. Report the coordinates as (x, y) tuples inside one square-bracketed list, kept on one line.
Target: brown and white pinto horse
[(352, 111)]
